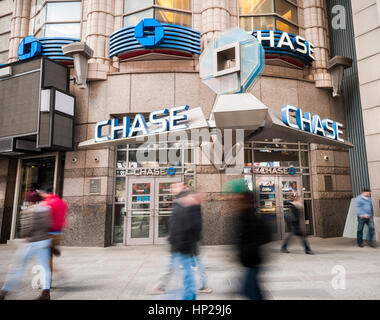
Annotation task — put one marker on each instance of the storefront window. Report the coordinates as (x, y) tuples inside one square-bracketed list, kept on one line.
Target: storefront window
[(270, 158), (166, 11), (255, 15), (118, 224), (36, 173), (58, 19)]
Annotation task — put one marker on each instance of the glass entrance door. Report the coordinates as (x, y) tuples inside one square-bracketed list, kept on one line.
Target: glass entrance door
[(273, 195), (149, 205), (36, 173), (140, 211)]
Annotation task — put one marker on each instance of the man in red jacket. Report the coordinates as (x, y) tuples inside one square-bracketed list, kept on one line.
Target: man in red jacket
[(59, 210)]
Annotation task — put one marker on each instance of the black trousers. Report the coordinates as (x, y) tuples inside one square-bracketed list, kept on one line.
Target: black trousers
[(297, 231)]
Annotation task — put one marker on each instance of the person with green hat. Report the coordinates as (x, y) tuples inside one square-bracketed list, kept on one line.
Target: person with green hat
[(251, 234)]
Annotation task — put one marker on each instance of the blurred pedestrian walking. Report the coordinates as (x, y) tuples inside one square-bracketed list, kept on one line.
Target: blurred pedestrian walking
[(364, 211), (292, 219), (35, 224), (184, 234), (251, 233), (58, 209)]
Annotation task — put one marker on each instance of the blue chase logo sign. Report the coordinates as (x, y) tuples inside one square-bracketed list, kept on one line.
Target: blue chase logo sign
[(159, 121), (290, 48), (150, 36), (149, 32), (29, 48), (312, 124)]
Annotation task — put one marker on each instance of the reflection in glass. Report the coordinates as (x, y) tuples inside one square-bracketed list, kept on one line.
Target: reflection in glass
[(63, 11), (140, 225), (286, 27), (257, 23), (304, 159), (163, 226), (36, 173), (120, 189), (289, 186), (255, 6), (287, 10), (140, 188), (134, 19), (121, 160), (67, 30), (173, 17), (274, 158), (39, 19), (118, 229), (308, 217), (133, 5), (176, 4)]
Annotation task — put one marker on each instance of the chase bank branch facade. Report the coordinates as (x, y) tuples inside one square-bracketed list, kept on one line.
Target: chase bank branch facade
[(100, 101)]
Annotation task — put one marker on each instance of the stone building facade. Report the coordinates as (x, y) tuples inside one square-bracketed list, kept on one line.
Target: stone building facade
[(133, 86), (366, 18)]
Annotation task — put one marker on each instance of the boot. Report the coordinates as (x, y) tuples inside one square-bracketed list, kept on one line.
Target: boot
[(45, 295), (3, 293)]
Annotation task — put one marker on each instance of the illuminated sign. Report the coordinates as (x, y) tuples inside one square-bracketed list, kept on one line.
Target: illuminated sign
[(50, 47), (156, 119), (286, 46), (273, 170), (29, 48), (152, 37), (149, 32), (312, 124)]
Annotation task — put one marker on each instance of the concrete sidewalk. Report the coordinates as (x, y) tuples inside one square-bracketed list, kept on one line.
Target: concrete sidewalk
[(130, 272)]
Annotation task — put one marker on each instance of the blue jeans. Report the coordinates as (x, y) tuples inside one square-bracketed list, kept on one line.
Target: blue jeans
[(251, 287), (40, 249), (189, 286), (202, 271), (371, 227)]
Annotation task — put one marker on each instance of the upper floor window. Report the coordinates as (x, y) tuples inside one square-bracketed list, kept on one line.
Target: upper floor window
[(166, 11), (58, 19), (6, 7), (268, 15)]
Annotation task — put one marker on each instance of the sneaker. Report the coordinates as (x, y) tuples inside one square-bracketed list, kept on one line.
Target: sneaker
[(373, 245), (360, 245), (284, 250), (310, 252), (204, 290), (45, 295), (156, 291)]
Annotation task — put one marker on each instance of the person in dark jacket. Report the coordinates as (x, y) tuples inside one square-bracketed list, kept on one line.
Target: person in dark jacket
[(251, 233), (293, 220), (184, 233), (35, 224)]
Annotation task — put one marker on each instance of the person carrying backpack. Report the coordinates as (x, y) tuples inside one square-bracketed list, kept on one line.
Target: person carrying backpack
[(293, 221)]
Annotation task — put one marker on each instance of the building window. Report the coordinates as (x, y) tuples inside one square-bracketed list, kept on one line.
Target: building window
[(58, 19), (268, 15), (5, 29), (165, 11)]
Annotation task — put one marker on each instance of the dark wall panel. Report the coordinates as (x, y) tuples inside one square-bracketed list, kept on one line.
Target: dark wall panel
[(55, 75), (19, 98)]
